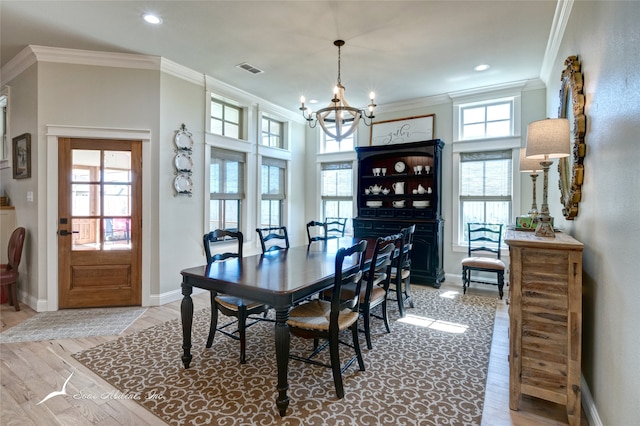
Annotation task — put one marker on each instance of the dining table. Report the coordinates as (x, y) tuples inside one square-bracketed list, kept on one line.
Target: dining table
[(279, 279)]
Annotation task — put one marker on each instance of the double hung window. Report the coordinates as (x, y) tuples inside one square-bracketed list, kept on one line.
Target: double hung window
[(485, 187), (332, 145), (337, 190), (273, 192), (227, 190)]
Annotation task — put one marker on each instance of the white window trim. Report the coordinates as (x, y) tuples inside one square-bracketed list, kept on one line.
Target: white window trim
[(336, 157), (513, 142)]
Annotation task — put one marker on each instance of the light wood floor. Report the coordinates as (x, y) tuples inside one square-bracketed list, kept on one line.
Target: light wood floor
[(31, 370)]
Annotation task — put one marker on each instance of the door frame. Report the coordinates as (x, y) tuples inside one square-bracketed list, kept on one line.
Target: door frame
[(53, 133)]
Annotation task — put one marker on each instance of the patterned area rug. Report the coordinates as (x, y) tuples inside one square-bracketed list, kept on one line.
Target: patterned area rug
[(431, 370), (72, 324)]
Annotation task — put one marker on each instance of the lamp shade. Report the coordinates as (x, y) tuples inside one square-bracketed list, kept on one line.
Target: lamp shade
[(548, 138), (528, 164)]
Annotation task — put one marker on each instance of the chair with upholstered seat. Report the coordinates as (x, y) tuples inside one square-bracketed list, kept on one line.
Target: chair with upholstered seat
[(484, 238), (9, 271), (376, 283), (401, 271), (335, 226), (321, 319), (273, 238), (316, 231), (230, 306)]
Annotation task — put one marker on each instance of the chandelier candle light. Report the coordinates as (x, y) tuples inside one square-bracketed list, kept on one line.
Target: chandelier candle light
[(339, 119), (547, 139)]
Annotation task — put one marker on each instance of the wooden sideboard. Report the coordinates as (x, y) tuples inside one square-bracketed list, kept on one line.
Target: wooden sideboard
[(545, 315)]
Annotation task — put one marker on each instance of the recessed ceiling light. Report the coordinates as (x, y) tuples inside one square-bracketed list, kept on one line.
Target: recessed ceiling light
[(482, 67), (152, 19)]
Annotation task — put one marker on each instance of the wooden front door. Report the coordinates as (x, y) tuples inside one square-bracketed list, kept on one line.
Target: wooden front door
[(99, 223)]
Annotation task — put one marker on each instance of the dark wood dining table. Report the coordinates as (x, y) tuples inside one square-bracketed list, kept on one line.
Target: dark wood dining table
[(279, 279)]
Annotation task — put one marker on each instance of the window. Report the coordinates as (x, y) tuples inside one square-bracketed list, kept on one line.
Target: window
[(332, 145), (225, 119), (337, 191), (226, 187), (272, 133), (487, 120), (485, 188), (273, 194)]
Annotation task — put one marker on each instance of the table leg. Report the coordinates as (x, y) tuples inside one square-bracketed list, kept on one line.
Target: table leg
[(186, 311), (283, 341)]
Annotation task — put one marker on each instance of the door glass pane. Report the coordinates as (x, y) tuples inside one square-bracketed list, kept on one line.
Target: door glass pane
[(85, 234), (117, 200), (117, 166), (85, 199), (117, 235)]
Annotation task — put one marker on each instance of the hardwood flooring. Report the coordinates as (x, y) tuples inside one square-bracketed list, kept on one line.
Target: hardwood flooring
[(30, 370)]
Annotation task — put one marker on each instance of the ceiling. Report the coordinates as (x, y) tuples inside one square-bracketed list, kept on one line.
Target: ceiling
[(401, 50)]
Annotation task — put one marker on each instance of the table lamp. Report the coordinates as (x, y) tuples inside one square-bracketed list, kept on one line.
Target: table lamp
[(547, 139), (531, 166)]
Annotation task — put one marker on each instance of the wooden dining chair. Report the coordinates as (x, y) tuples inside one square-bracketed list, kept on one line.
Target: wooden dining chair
[(401, 271), (316, 231), (335, 227), (230, 306), (376, 283), (9, 271), (273, 238), (321, 319), (483, 255)]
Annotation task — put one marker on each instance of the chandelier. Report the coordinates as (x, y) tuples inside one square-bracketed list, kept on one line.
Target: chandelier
[(339, 119)]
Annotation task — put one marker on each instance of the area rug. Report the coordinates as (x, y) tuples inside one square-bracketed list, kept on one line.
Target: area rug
[(430, 370), (72, 324)]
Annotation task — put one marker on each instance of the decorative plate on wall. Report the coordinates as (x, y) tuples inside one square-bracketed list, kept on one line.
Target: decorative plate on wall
[(183, 139), (183, 162), (183, 184)]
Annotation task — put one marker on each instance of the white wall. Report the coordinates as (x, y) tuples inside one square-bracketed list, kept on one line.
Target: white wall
[(606, 37)]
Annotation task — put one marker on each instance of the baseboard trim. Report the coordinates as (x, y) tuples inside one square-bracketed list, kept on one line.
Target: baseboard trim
[(588, 405), (170, 296)]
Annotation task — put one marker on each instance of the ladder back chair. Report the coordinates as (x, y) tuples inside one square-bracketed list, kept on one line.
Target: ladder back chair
[(273, 238), (484, 239), (335, 227), (316, 231), (401, 271), (230, 306), (321, 319), (376, 283)]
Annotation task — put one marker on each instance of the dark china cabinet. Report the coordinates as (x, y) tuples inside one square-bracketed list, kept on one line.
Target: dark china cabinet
[(400, 185)]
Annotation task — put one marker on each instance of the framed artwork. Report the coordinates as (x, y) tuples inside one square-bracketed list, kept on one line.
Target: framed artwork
[(22, 156), (402, 130)]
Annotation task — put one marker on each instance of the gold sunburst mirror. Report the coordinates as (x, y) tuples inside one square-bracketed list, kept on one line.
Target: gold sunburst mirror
[(571, 169)]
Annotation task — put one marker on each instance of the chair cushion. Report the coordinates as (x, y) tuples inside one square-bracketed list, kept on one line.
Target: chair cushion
[(314, 315), (377, 292), (8, 276), (231, 302), (405, 273), (484, 263)]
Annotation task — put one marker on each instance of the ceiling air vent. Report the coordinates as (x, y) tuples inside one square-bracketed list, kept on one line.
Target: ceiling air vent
[(248, 67)]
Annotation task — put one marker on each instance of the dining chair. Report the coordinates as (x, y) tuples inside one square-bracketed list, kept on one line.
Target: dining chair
[(484, 239), (322, 319), (377, 280), (9, 271), (230, 306), (316, 231), (335, 226), (401, 271), (273, 238)]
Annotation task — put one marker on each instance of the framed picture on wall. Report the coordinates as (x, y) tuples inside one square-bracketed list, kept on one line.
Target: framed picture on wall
[(402, 130), (22, 156)]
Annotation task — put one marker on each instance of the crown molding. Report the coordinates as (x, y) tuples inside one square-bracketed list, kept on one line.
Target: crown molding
[(182, 72), (558, 26)]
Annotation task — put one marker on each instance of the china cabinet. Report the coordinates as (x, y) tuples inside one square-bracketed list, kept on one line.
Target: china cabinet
[(545, 319), (400, 185)]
